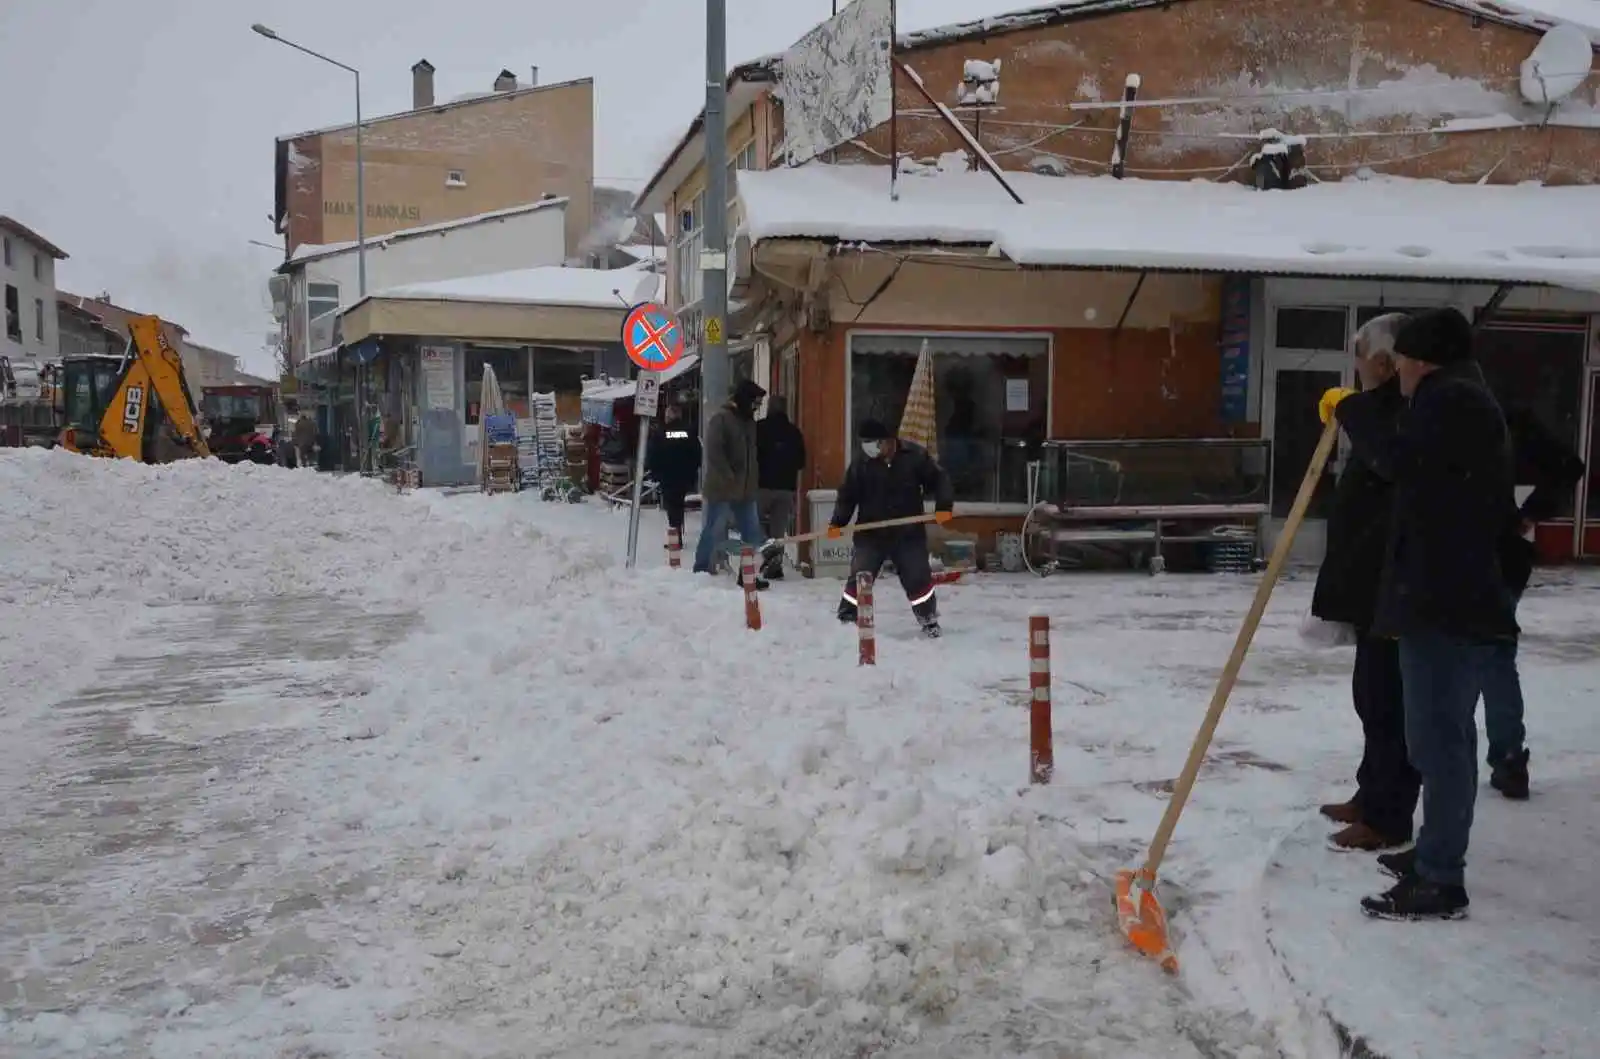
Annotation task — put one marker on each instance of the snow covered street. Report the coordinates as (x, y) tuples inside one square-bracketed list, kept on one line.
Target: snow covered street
[(296, 766)]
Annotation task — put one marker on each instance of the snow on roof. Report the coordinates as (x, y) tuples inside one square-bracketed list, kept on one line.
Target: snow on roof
[(1383, 226), (589, 288), (643, 252), (313, 251)]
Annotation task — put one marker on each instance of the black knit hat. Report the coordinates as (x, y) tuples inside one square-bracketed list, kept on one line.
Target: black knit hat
[(1436, 336), (874, 430)]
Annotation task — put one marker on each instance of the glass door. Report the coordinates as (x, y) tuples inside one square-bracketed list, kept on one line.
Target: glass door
[(1589, 512), (1294, 383)]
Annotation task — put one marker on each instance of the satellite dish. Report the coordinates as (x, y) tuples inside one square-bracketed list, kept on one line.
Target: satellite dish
[(645, 289), (1558, 66)]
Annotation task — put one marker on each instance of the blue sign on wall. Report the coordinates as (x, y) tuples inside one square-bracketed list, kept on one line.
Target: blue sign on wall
[(1235, 349)]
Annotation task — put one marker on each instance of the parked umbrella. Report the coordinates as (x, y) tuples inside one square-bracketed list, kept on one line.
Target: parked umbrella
[(918, 423)]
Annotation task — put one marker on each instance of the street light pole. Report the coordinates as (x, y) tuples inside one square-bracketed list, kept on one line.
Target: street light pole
[(714, 367), (361, 173)]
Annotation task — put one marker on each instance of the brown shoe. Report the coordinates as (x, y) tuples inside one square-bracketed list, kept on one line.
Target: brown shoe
[(1343, 812), (1359, 838)]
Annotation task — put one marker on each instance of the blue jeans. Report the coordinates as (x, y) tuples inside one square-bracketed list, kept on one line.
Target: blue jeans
[(1442, 677), (714, 534), (1502, 703)]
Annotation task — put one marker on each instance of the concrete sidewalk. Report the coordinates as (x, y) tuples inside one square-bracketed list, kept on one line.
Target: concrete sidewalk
[(152, 864), (1519, 977)]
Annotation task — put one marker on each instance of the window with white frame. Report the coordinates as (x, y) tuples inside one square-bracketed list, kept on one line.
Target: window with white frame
[(322, 313), (991, 396)]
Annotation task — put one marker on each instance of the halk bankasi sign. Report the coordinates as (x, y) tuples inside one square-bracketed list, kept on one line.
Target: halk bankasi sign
[(376, 211)]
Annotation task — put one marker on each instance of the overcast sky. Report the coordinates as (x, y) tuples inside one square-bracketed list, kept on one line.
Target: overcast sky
[(137, 134)]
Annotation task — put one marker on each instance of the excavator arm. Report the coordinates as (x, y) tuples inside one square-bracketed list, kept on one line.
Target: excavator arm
[(153, 368)]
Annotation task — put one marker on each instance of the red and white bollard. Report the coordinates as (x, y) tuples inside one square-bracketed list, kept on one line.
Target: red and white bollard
[(1041, 755), (866, 631), (674, 548), (752, 602)]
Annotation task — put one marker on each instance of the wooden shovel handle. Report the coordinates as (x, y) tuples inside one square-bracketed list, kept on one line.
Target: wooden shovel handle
[(845, 531), (1241, 646)]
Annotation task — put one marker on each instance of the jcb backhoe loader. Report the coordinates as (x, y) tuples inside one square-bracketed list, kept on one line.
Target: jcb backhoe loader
[(123, 406)]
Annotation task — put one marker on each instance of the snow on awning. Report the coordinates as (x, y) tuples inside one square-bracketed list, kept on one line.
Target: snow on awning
[(550, 285), (599, 404), (1379, 227)]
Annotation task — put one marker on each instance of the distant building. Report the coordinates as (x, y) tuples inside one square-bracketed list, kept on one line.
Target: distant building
[(28, 272), (442, 161), (114, 318), (82, 332)]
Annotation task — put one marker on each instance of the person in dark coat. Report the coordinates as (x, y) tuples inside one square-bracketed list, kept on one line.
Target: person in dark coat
[(780, 456), (1381, 813), (728, 487), (891, 478), (1443, 593), (674, 464), (1554, 470)]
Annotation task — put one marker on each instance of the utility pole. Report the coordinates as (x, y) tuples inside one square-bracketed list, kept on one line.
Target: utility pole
[(714, 367)]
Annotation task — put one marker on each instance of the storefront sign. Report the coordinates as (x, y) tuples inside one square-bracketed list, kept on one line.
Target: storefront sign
[(1235, 349), (376, 211), (439, 378)]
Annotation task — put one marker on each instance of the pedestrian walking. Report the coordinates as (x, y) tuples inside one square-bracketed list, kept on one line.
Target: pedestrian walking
[(891, 478), (1443, 594), (1380, 814), (728, 490), (781, 456), (675, 464), (305, 441)]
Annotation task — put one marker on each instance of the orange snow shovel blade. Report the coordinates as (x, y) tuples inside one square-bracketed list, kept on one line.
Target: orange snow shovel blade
[(1139, 912), (1140, 916)]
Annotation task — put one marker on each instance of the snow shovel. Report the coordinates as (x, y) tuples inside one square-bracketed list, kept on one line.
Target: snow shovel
[(857, 527), (1139, 912)]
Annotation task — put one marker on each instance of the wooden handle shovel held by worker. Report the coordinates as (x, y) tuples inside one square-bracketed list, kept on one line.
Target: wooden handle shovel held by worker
[(1139, 912), (845, 531)]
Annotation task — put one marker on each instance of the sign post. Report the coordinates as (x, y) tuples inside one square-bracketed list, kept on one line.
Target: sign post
[(654, 343)]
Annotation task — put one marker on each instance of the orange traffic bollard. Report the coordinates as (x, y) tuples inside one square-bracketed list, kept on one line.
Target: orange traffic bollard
[(866, 632), (674, 548), (1041, 754), (752, 603)]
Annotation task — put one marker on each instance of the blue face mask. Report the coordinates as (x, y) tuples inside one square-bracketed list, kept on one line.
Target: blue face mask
[(873, 449)]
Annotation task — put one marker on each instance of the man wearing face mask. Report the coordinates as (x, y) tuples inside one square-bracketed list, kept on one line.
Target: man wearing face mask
[(891, 479), (728, 490)]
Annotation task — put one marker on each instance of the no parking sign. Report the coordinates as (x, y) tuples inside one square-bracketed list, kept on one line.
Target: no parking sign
[(652, 337)]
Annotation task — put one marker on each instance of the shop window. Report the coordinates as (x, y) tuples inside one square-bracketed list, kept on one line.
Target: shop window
[(510, 365), (991, 403), (1541, 371), (1315, 329)]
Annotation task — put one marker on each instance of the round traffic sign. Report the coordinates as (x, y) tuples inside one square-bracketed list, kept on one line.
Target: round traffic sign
[(652, 337)]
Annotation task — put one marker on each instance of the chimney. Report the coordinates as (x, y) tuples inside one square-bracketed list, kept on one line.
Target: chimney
[(533, 76), (506, 82), (422, 85)]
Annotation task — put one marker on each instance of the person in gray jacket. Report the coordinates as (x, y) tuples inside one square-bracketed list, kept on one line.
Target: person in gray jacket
[(729, 485)]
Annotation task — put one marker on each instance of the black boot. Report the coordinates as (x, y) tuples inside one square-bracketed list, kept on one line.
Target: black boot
[(1400, 864), (1509, 776), (847, 612), (928, 617), (1414, 898)]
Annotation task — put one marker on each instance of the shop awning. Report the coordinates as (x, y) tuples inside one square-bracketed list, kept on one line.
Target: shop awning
[(1382, 227), (599, 404)]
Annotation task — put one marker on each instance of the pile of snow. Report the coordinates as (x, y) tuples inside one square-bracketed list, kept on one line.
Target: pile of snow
[(1381, 226), (78, 528)]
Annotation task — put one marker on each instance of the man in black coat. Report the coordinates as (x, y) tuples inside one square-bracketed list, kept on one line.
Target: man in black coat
[(1549, 465), (675, 464), (1380, 815), (1443, 593), (780, 457), (891, 479)]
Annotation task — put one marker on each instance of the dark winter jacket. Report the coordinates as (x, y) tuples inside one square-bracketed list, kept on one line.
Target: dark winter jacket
[(876, 489), (731, 459), (1449, 457), (675, 457), (1358, 526), (780, 451)]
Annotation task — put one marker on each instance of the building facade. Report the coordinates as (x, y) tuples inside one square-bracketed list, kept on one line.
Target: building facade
[(512, 144), (1143, 321), (28, 279), (318, 282)]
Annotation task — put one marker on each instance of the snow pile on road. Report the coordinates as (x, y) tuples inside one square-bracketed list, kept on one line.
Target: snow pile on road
[(79, 528)]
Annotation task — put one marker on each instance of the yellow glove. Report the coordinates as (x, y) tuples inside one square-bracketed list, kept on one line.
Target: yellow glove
[(943, 516), (1330, 401), (835, 532)]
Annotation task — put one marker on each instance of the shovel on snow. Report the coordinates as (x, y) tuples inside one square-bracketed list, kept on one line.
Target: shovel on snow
[(1139, 911)]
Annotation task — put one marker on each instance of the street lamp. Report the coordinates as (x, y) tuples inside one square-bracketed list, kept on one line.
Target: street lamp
[(361, 181)]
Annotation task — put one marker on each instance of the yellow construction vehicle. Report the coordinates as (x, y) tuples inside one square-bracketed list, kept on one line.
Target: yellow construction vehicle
[(136, 406)]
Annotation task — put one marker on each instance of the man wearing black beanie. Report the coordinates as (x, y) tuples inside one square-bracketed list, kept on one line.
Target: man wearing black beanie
[(1443, 593)]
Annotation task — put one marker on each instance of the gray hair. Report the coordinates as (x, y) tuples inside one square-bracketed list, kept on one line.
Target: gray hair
[(1377, 335)]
